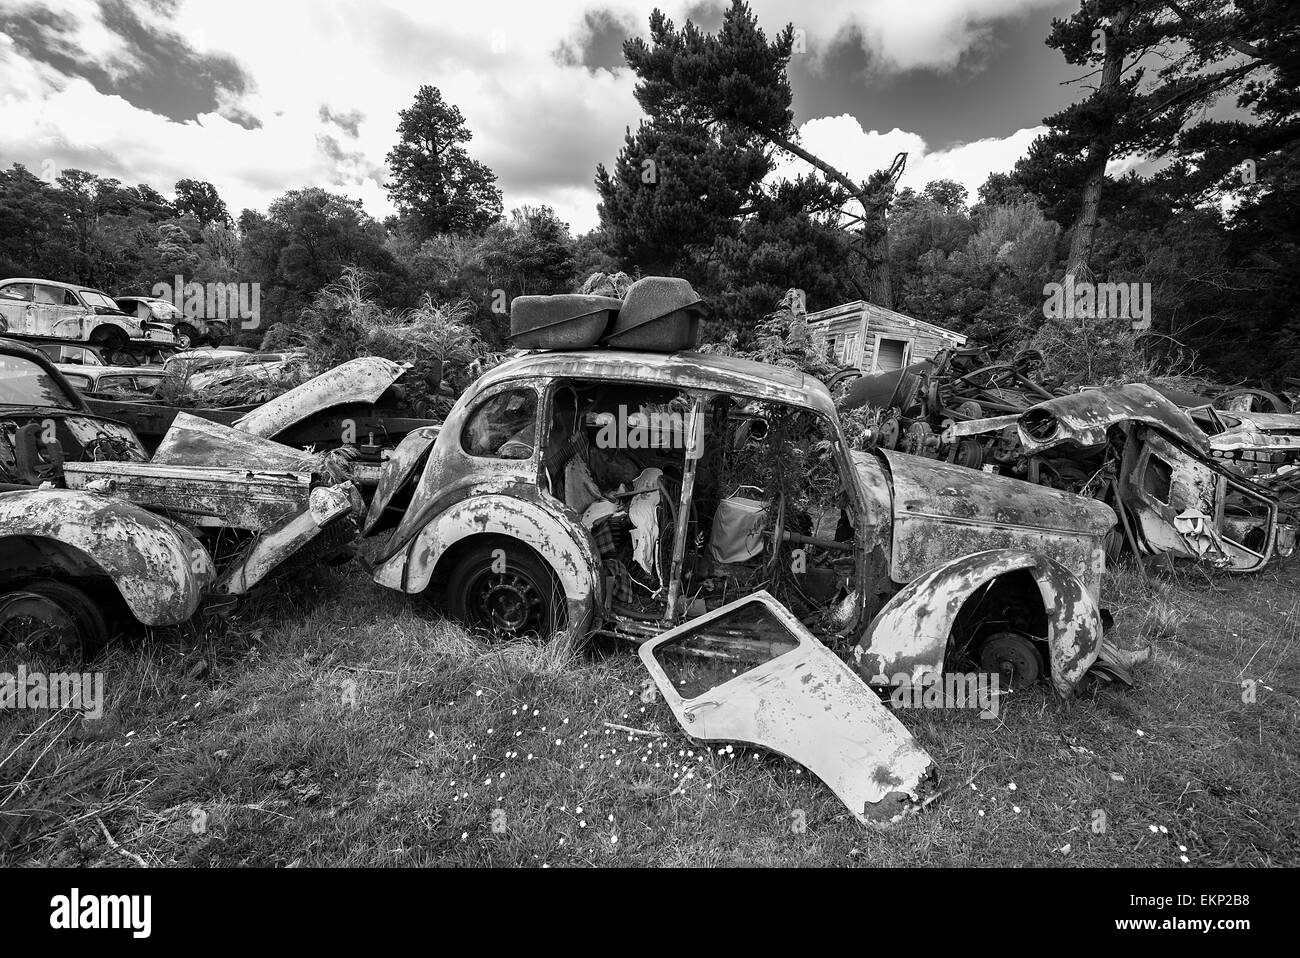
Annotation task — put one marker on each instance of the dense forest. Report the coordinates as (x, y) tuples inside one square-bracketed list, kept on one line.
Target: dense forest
[(1212, 226)]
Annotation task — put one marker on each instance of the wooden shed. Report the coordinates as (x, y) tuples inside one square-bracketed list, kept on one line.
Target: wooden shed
[(876, 339)]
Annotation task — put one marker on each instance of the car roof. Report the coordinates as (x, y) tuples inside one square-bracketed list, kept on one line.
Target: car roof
[(79, 287), (686, 370)]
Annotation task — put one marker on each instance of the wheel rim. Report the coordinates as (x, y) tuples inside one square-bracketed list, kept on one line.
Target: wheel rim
[(35, 626), (507, 604), (1014, 658)]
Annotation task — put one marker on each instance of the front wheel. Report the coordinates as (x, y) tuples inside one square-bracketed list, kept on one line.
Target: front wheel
[(49, 622), (1013, 657), (505, 591)]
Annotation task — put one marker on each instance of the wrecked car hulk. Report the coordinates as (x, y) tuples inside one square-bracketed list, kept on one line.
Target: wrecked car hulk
[(94, 531), (625, 493)]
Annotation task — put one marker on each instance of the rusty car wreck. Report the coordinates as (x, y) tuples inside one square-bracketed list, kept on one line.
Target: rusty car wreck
[(709, 508), (93, 529)]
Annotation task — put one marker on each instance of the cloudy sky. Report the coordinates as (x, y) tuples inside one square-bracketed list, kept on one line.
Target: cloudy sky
[(262, 96)]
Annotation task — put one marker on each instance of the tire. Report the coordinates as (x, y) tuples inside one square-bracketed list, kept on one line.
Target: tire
[(91, 621), (504, 590), (49, 621), (186, 335)]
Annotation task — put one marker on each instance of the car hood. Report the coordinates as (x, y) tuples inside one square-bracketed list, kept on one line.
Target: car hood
[(942, 511), (361, 380)]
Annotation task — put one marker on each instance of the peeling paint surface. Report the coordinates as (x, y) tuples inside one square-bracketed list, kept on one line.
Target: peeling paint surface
[(159, 568), (192, 441), (273, 547), (910, 635), (804, 704), (198, 496), (942, 511), (1160, 483), (1083, 419), (400, 469), (358, 380), (502, 508)]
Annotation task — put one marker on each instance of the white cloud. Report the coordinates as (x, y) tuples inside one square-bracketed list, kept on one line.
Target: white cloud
[(540, 125), (842, 142)]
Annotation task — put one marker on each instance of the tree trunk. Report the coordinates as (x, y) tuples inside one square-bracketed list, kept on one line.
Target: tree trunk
[(1085, 226)]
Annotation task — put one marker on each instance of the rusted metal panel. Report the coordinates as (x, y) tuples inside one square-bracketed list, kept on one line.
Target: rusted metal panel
[(799, 700), (400, 470), (942, 511), (192, 441), (1179, 503), (1084, 419), (326, 505), (910, 635), (199, 496), (159, 568), (358, 380), (508, 508), (89, 432)]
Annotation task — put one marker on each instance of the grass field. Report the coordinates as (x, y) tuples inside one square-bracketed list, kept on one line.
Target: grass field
[(336, 723)]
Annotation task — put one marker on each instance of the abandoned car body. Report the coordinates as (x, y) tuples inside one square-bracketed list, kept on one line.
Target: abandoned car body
[(535, 505), (1151, 461), (42, 307), (91, 527)]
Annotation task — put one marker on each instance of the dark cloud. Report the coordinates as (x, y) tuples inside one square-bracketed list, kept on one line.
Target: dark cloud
[(599, 42), (1007, 83), (707, 15), (160, 71), (349, 123)]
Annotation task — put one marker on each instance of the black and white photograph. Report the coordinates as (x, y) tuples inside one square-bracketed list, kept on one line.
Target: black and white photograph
[(653, 435)]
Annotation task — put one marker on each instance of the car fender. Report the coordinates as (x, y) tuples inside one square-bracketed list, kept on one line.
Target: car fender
[(520, 513), (400, 470), (159, 568), (910, 634)]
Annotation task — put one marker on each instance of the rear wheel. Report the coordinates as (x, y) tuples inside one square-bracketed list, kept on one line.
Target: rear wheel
[(505, 591)]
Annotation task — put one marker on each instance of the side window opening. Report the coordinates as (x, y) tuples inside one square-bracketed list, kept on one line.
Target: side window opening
[(503, 427), (1158, 479)]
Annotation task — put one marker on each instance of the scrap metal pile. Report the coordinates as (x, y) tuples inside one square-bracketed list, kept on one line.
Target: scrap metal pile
[(1199, 475)]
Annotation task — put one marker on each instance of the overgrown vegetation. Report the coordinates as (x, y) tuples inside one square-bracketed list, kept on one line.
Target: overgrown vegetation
[(344, 322)]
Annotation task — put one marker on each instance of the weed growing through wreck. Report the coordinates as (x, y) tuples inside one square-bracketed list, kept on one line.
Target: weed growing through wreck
[(247, 727)]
